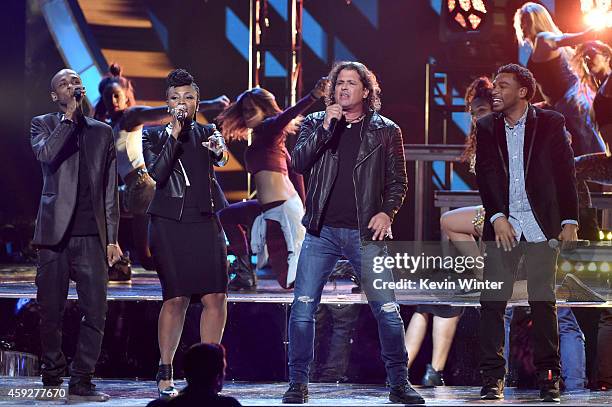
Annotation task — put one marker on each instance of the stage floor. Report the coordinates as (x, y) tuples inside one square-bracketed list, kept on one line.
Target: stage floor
[(139, 393), (17, 281)]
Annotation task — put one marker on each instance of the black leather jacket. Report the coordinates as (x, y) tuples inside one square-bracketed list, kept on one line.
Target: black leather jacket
[(379, 175), (161, 153)]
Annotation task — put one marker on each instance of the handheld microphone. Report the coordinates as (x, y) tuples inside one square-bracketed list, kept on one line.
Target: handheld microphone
[(332, 125), (555, 244), (78, 94), (181, 115)]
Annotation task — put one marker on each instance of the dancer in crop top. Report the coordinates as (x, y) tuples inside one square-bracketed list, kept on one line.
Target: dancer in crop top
[(117, 108), (280, 191)]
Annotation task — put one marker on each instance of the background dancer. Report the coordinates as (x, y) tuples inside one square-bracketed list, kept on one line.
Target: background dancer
[(550, 62), (280, 190)]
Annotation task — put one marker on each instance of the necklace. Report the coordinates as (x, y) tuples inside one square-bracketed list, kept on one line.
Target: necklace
[(350, 123)]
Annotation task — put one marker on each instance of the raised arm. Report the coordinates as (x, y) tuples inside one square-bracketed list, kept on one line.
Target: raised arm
[(145, 115), (276, 124), (555, 41)]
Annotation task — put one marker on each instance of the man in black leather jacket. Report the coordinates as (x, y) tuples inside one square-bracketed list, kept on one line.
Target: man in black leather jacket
[(354, 160)]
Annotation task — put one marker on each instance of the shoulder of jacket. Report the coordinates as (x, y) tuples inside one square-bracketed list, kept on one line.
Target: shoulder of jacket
[(548, 114), (316, 116), (378, 122), (46, 117), (154, 131), (384, 121), (206, 128), (487, 120), (98, 124)]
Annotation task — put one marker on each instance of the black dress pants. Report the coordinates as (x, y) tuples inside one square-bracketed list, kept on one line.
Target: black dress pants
[(540, 263), (81, 259)]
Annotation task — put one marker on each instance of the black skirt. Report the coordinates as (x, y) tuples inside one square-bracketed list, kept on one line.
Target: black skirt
[(442, 311), (190, 255)]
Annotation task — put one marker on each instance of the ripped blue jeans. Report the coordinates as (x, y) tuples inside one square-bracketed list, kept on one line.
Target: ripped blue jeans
[(317, 260)]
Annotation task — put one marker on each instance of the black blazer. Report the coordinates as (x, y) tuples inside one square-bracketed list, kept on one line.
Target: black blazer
[(55, 146), (550, 177), (161, 153)]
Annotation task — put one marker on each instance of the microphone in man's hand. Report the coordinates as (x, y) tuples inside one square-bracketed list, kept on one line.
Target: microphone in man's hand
[(555, 244), (78, 94), (332, 125)]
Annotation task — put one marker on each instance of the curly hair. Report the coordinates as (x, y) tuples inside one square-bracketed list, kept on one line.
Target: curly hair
[(480, 88), (522, 75), (231, 120), (180, 77), (113, 76), (368, 79)]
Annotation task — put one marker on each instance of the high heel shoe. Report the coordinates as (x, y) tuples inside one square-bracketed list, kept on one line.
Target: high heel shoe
[(164, 372)]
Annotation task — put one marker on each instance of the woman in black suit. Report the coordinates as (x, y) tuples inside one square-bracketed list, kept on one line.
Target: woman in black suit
[(186, 238)]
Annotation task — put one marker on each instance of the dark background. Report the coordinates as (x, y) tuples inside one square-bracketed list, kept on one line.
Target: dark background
[(407, 37)]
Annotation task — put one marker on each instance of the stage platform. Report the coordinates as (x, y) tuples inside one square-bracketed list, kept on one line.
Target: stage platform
[(17, 281), (139, 393)]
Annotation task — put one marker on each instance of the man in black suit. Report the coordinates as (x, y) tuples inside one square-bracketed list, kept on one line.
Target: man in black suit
[(525, 173), (76, 230)]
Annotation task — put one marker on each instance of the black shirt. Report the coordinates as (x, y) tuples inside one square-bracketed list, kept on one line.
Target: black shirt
[(83, 221), (602, 105), (198, 195), (341, 210)]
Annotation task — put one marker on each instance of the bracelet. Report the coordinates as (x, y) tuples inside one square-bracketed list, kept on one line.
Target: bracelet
[(113, 244)]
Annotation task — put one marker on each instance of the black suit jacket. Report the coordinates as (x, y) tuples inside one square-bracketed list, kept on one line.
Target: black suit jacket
[(550, 177), (55, 146), (161, 153)]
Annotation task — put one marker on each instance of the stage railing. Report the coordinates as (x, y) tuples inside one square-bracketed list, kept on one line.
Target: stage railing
[(422, 154)]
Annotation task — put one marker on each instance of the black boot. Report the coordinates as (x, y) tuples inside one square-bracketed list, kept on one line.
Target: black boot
[(242, 275), (164, 372), (85, 391), (548, 381), (296, 394), (492, 389), (432, 377), (405, 394)]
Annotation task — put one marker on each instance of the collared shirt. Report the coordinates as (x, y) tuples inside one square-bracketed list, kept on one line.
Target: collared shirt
[(522, 217)]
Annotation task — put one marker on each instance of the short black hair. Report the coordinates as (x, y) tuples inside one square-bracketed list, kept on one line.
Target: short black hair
[(180, 77), (203, 363), (522, 75)]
